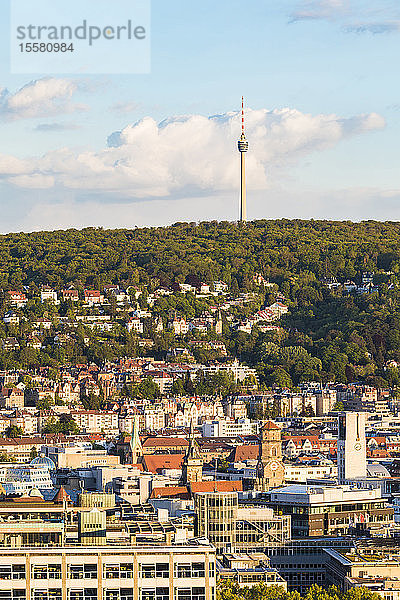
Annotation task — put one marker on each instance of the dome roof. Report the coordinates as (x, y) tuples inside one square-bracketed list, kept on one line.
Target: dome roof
[(43, 461)]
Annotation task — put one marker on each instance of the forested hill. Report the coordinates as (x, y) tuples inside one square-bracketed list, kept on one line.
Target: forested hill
[(341, 325), (211, 250)]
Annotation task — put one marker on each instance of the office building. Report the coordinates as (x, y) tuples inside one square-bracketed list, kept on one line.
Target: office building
[(332, 510), (108, 573), (231, 527)]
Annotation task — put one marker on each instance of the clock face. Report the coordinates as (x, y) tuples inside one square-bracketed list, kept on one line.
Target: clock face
[(273, 466), (357, 446)]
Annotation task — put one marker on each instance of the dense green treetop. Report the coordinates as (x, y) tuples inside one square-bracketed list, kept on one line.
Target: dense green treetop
[(210, 250)]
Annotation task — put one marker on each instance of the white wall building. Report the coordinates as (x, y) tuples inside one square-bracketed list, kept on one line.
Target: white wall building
[(227, 428)]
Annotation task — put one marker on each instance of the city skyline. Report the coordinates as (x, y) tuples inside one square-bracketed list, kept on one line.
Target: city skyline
[(112, 151)]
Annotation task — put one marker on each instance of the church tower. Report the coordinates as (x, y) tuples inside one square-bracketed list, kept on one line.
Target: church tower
[(270, 468), (135, 444), (192, 468), (218, 324)]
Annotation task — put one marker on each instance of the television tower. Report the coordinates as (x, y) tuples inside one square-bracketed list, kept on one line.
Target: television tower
[(243, 146)]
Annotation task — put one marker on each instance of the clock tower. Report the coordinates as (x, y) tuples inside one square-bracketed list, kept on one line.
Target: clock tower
[(192, 467), (352, 447), (270, 468)]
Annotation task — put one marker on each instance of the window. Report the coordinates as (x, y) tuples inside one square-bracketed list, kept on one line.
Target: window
[(183, 570), (120, 571), (126, 570), (211, 568), (52, 571), (84, 594), (198, 569), (12, 571), (183, 594), (50, 594), (12, 594), (111, 571), (82, 571), (159, 593), (147, 571), (189, 570), (198, 593), (119, 594), (162, 570)]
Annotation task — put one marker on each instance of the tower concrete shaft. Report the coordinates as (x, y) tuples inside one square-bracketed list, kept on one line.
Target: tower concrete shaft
[(243, 146), (243, 215)]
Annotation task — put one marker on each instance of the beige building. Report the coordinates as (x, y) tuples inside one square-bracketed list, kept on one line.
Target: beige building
[(78, 458), (12, 398), (376, 568), (93, 421), (108, 573)]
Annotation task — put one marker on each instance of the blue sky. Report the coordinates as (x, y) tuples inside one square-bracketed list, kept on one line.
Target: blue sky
[(321, 86)]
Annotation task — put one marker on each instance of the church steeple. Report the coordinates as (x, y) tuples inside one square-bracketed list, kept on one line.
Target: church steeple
[(218, 324), (192, 468), (135, 444), (270, 468)]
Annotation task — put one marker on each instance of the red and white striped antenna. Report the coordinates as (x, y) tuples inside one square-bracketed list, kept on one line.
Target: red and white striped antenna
[(242, 117)]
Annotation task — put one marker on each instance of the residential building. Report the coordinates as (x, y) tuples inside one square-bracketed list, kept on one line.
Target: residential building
[(48, 295), (229, 428), (17, 299), (11, 318), (134, 325), (70, 294), (96, 421), (12, 398), (93, 297)]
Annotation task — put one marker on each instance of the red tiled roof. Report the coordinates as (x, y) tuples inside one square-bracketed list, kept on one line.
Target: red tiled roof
[(61, 496), (171, 492), (156, 462), (164, 441), (218, 486), (248, 452), (270, 425)]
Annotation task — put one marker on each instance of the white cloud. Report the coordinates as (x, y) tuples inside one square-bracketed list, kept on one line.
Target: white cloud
[(356, 16), (40, 98), (125, 108), (375, 27), (55, 127), (45, 213), (320, 9), (188, 155)]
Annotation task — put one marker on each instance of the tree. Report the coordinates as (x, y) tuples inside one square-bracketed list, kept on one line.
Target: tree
[(177, 388), (146, 389), (230, 590), (281, 378), (65, 424), (44, 403), (14, 431)]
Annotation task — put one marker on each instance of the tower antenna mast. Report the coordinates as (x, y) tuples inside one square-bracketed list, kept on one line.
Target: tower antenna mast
[(243, 146)]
